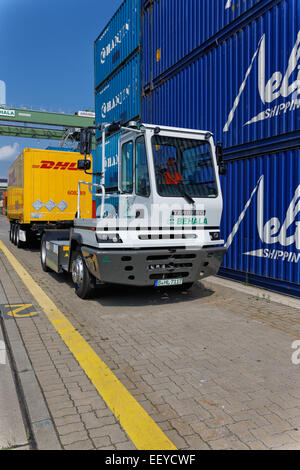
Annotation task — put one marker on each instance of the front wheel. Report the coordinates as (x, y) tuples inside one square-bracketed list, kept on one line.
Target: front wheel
[(83, 280)]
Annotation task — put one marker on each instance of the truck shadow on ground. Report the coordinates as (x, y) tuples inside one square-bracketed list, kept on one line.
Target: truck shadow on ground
[(145, 296)]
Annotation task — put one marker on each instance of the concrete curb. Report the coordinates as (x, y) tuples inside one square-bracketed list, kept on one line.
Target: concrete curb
[(35, 410), (254, 291), (14, 433)]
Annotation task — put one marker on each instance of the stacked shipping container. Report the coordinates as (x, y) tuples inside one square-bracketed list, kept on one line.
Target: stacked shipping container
[(244, 89), (233, 67), (117, 78)]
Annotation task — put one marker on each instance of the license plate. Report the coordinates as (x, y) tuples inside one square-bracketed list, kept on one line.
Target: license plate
[(169, 282)]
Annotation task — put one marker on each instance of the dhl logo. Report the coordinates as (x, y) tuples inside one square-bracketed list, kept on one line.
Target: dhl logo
[(49, 165)]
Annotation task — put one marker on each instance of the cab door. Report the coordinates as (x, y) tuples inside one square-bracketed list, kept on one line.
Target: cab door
[(126, 176), (134, 181)]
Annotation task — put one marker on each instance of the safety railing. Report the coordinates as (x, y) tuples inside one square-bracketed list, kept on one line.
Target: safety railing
[(91, 185)]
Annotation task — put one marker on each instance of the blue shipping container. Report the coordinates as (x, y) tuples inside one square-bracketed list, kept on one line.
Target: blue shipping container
[(261, 220), (120, 96), (179, 27), (119, 39), (243, 90)]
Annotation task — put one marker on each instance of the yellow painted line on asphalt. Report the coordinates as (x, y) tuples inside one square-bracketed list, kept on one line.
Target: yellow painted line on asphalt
[(140, 427)]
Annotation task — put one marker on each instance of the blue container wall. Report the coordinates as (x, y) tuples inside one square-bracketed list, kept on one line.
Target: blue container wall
[(120, 96), (261, 220), (243, 90), (119, 39), (181, 26)]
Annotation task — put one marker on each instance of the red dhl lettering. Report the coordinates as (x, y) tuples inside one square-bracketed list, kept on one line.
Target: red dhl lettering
[(49, 165)]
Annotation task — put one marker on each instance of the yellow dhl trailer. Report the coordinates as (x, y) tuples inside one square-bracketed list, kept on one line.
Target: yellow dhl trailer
[(42, 193)]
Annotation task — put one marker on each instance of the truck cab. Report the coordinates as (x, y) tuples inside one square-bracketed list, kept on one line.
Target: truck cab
[(162, 227)]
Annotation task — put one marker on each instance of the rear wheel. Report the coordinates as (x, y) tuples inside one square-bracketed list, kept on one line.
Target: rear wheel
[(83, 280), (19, 243), (11, 232), (14, 233), (17, 236), (44, 255)]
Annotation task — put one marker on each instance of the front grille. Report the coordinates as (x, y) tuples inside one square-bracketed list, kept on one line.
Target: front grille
[(160, 276), (167, 267), (174, 236), (168, 257)]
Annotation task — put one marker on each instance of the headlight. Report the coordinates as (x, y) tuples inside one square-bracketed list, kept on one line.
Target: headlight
[(108, 238)]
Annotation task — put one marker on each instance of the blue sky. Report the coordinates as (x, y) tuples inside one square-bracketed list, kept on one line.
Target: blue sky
[(46, 58)]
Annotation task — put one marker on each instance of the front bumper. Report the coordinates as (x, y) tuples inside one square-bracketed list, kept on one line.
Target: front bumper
[(144, 267)]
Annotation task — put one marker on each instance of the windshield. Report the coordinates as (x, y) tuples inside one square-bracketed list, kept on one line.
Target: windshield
[(183, 166)]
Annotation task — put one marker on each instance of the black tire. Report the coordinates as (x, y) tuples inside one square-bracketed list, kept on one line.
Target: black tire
[(43, 255), (83, 280), (14, 233), (19, 243), (17, 235), (10, 232)]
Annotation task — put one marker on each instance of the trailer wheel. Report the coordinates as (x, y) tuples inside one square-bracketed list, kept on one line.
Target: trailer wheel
[(14, 233), (17, 237), (83, 280), (10, 232), (18, 243), (43, 253)]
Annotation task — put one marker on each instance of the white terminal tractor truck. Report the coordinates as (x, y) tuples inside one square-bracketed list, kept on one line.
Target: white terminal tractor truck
[(160, 228)]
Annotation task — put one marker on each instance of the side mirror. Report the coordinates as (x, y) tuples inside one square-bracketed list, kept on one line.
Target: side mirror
[(219, 153), (222, 169), (220, 161), (86, 137), (84, 165)]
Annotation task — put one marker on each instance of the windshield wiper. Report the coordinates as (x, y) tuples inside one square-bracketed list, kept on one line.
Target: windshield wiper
[(186, 196)]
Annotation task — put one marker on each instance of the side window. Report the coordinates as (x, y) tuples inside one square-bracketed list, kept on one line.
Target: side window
[(127, 168), (142, 183)]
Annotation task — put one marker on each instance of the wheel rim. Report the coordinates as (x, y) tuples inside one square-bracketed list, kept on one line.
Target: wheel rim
[(77, 271), (43, 254)]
